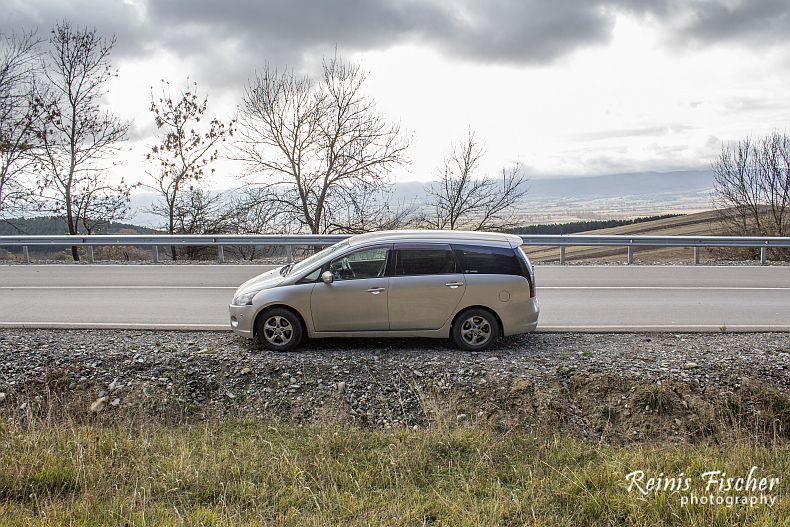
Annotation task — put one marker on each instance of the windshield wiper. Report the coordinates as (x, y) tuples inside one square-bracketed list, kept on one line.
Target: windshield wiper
[(285, 269)]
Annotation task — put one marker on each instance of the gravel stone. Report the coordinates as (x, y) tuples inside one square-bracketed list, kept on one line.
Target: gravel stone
[(98, 405), (386, 382)]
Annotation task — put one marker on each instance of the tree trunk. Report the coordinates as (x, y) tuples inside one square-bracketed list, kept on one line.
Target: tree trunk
[(171, 221), (75, 253)]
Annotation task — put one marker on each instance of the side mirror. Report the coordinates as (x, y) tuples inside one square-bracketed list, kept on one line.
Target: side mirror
[(327, 277)]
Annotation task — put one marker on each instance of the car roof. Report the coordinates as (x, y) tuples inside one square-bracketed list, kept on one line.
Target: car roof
[(437, 236)]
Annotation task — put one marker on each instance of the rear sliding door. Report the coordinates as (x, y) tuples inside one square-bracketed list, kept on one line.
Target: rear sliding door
[(425, 287)]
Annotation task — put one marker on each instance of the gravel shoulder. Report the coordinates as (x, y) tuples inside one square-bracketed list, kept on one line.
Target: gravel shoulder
[(599, 387)]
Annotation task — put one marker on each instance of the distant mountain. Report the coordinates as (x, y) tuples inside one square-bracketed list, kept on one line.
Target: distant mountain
[(560, 198), (688, 182), (44, 225)]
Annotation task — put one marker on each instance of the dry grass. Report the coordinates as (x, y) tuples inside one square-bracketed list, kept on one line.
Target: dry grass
[(252, 473), (699, 224)]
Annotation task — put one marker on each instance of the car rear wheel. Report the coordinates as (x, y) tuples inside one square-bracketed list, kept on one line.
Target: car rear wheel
[(475, 330), (279, 330)]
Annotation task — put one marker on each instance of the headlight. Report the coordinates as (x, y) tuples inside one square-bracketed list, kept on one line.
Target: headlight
[(245, 298)]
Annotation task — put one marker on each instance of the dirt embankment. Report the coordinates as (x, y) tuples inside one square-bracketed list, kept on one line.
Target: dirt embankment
[(600, 387)]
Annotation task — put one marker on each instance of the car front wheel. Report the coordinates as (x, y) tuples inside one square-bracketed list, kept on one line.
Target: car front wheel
[(475, 330), (279, 330)]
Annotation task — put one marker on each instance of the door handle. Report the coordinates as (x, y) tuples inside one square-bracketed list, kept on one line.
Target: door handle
[(376, 290), (454, 285)]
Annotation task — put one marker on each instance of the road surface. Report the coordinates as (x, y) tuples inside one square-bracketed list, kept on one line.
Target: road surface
[(572, 298)]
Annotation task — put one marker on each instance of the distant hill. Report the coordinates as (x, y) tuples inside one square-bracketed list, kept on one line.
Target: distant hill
[(700, 224), (45, 225), (582, 226), (689, 182), (618, 185), (560, 199)]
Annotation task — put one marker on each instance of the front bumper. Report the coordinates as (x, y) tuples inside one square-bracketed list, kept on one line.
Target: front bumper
[(242, 319)]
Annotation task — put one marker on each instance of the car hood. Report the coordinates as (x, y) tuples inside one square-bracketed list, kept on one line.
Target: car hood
[(266, 280)]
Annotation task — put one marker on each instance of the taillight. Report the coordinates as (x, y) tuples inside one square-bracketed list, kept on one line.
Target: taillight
[(532, 280), (528, 270)]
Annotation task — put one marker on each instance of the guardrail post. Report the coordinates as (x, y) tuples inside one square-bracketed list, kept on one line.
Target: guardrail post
[(763, 255), (289, 253), (26, 254), (562, 255), (156, 254), (696, 255), (630, 254), (91, 257), (220, 254)]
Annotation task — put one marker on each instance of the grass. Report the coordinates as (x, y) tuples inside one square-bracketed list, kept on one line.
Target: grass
[(252, 472), (655, 398)]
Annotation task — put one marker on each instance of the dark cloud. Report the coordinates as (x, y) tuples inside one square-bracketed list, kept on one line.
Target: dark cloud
[(762, 21), (514, 31), (499, 30), (108, 17), (228, 39)]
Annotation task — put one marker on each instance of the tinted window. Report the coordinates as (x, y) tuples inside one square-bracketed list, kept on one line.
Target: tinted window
[(487, 260), (424, 261), (370, 263)]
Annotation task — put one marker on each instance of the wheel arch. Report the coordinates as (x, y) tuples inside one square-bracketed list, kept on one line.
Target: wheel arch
[(484, 308), (269, 307)]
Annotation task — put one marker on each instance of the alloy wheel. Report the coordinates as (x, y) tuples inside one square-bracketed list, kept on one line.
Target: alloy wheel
[(476, 330), (278, 330)]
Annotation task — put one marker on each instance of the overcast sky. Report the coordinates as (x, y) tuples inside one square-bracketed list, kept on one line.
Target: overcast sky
[(571, 87)]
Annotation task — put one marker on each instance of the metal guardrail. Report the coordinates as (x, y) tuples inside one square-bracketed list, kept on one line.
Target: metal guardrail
[(311, 240), (632, 242), (157, 240)]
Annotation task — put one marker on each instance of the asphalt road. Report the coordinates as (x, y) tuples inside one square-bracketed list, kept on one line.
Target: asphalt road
[(578, 298)]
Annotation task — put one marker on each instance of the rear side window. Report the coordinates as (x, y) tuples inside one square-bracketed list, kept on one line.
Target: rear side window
[(424, 261), (487, 260)]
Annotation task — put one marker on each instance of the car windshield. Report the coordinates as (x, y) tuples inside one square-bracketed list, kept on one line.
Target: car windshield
[(308, 262)]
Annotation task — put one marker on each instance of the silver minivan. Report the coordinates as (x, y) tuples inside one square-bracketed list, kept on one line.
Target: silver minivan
[(470, 286)]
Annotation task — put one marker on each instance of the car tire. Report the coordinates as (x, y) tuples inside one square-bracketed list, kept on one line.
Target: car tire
[(475, 330), (279, 329)]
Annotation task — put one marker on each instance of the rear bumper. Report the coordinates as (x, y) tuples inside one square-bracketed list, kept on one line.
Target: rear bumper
[(520, 318), (242, 319)]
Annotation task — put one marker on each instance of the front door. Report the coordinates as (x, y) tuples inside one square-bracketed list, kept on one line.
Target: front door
[(356, 300)]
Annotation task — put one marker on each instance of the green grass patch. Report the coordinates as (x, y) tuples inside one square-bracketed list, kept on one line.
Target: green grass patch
[(655, 398), (251, 472)]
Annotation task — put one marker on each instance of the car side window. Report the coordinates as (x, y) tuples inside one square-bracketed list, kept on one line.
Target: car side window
[(311, 277), (368, 263), (487, 260), (424, 262)]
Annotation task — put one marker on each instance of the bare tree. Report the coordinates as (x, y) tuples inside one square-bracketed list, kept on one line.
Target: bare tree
[(78, 136), (752, 186), (185, 147), (369, 210), (316, 142), (20, 109), (199, 212), (462, 199), (254, 211)]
